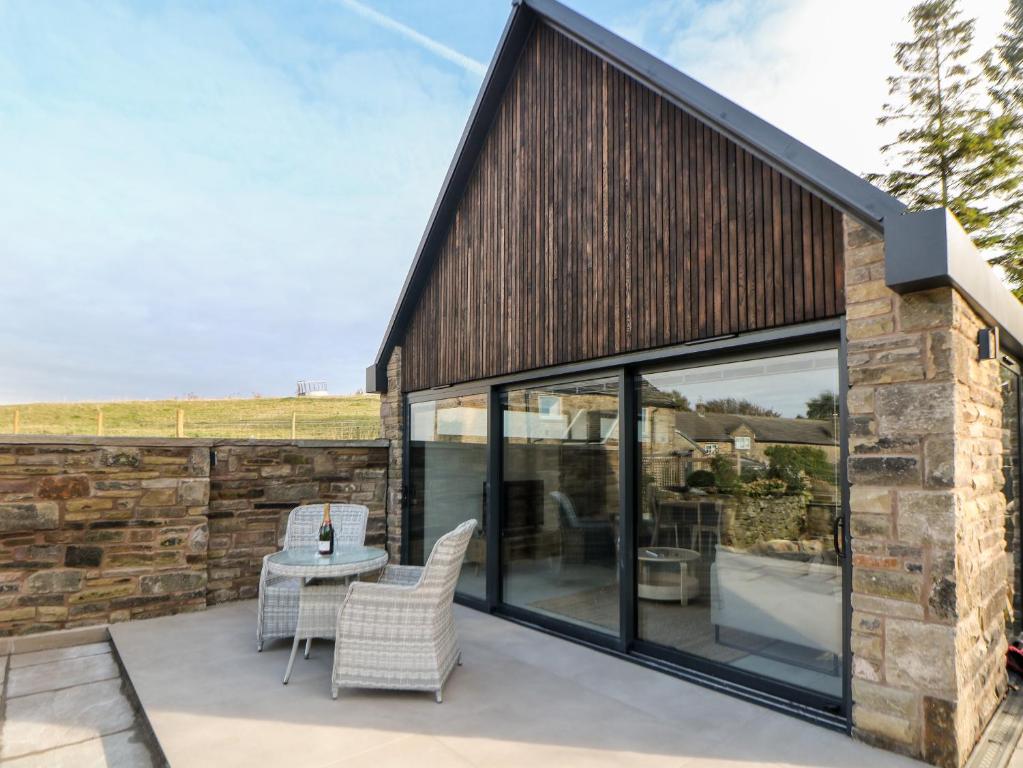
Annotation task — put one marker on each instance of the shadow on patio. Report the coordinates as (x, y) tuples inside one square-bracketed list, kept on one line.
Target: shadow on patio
[(521, 698)]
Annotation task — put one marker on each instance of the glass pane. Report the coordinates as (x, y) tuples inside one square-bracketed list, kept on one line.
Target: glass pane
[(448, 472), (1010, 471), (560, 533), (738, 497)]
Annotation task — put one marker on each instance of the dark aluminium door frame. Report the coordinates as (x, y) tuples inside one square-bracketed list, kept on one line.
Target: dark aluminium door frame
[(808, 705)]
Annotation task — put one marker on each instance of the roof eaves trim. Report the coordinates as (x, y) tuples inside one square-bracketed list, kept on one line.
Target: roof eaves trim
[(927, 249)]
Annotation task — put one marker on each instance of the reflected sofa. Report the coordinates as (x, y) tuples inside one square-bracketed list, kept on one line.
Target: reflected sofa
[(782, 599)]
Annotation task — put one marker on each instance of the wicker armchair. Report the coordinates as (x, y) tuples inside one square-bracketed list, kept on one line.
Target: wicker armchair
[(399, 633), (278, 596)]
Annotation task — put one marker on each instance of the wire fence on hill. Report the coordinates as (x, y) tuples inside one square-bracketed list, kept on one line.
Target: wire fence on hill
[(301, 429), (293, 427)]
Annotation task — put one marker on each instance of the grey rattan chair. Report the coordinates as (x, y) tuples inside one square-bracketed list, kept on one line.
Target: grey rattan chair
[(278, 596), (399, 633)]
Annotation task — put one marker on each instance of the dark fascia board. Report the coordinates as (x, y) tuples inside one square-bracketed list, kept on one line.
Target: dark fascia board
[(843, 189), (928, 249)]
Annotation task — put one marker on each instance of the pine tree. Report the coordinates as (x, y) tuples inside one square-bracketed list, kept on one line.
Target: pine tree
[(1002, 177), (934, 99)]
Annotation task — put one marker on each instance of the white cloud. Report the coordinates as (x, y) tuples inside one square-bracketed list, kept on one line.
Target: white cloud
[(815, 69)]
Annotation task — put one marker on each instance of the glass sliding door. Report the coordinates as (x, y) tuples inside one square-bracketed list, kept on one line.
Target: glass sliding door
[(737, 508), (560, 507), (447, 477), (1011, 489)]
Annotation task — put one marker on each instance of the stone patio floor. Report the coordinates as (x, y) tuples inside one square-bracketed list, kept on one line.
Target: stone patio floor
[(522, 698), (68, 707)]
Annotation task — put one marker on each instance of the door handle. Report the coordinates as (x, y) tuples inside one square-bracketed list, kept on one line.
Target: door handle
[(839, 526), (483, 509)]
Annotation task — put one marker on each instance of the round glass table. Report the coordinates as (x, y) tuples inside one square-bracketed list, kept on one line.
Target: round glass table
[(318, 601), (307, 563), (664, 574)]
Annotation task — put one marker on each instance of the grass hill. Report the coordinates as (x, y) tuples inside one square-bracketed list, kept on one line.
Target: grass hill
[(351, 417)]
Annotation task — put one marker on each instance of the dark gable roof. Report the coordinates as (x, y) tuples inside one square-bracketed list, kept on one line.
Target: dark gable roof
[(836, 185), (720, 427)]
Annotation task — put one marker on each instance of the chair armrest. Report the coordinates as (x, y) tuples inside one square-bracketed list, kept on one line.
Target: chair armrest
[(405, 575), (366, 600)]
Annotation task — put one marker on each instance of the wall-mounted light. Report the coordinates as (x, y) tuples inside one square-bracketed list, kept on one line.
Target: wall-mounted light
[(987, 344)]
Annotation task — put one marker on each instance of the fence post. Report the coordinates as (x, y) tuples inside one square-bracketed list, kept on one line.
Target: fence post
[(17, 420), (180, 431), (99, 422), (292, 425)]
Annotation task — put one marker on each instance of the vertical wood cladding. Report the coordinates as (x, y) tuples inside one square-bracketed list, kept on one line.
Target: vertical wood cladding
[(601, 219)]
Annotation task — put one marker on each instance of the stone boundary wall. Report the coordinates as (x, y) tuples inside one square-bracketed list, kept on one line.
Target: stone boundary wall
[(926, 515), (255, 486), (101, 530)]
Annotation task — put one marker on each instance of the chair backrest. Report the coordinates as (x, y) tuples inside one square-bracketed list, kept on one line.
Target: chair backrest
[(440, 575), (566, 510), (349, 525)]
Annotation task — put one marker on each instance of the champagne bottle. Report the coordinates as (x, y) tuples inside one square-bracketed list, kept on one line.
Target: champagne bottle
[(326, 544)]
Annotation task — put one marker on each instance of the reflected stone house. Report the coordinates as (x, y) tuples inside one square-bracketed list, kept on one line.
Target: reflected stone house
[(627, 296)]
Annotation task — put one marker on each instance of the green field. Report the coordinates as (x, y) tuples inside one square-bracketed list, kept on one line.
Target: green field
[(352, 417)]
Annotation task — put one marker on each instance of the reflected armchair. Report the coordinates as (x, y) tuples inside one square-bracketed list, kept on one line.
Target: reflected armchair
[(583, 541), (399, 633)]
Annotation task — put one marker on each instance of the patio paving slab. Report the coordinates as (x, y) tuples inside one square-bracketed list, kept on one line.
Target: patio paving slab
[(52, 719), (58, 654), (123, 749), (522, 698), (65, 673)]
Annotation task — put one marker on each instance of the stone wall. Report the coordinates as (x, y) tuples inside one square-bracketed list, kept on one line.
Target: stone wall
[(99, 530), (254, 486), (99, 533), (392, 425), (927, 515)]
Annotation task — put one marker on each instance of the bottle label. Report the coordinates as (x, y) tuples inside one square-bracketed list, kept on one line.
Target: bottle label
[(324, 547)]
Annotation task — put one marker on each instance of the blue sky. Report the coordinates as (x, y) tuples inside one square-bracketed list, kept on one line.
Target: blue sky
[(219, 199)]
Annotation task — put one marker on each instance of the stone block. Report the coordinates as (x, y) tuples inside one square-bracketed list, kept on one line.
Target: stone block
[(940, 461), (926, 517), (889, 373), (885, 699), (159, 497), (17, 614), (121, 457), (40, 516), (915, 409), (92, 504), (101, 593), (885, 470), (194, 492), (884, 726), (864, 498), (940, 745), (880, 306), (926, 309), (870, 326), (63, 487), (166, 583), (295, 493), (920, 656), (893, 585), (48, 582), (84, 557)]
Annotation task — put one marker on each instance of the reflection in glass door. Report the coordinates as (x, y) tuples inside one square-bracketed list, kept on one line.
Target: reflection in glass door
[(560, 526), (739, 505), (447, 474)]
